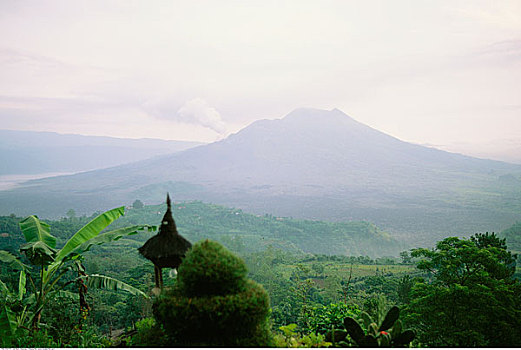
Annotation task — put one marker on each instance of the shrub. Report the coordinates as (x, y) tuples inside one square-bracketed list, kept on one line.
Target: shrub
[(322, 318), (389, 333), (36, 339), (213, 304), (291, 339), (210, 269), (149, 334)]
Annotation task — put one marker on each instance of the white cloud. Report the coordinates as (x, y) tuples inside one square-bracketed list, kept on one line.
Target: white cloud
[(197, 111), (412, 69)]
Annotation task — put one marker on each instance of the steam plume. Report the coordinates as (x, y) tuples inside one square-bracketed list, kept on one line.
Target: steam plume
[(197, 111)]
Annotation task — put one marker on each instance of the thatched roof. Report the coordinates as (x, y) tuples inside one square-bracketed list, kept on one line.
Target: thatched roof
[(168, 247)]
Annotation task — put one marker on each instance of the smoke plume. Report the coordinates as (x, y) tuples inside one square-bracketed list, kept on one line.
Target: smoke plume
[(197, 111)]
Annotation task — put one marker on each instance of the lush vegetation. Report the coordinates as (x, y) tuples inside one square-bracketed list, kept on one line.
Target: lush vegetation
[(247, 233), (213, 303), (469, 297), (274, 289), (22, 310)]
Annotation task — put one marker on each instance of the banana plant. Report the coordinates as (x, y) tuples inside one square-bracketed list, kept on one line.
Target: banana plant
[(388, 334), (13, 308), (50, 265)]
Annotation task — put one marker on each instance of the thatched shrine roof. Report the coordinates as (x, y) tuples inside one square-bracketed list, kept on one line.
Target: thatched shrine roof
[(168, 247)]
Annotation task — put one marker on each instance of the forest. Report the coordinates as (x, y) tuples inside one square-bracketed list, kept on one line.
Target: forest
[(251, 281)]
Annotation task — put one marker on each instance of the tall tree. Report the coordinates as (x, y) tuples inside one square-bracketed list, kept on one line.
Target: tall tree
[(138, 204), (469, 297)]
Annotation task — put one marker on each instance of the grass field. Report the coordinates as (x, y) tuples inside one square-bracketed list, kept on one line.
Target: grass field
[(343, 270)]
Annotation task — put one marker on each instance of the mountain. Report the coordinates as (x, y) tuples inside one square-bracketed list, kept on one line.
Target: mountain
[(30, 152), (507, 150), (312, 164)]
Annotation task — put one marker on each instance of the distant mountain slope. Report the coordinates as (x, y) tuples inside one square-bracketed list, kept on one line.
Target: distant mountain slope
[(312, 164), (30, 152)]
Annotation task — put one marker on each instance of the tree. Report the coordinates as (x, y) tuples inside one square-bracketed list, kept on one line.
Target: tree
[(213, 303), (469, 298), (138, 204), (406, 258), (50, 266), (324, 317), (318, 268), (403, 289), (300, 300), (71, 213)]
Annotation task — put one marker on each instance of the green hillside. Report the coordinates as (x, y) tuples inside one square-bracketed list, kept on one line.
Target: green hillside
[(513, 237), (245, 233)]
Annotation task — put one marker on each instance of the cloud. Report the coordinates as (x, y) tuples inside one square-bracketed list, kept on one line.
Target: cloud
[(18, 57), (501, 52), (197, 111)]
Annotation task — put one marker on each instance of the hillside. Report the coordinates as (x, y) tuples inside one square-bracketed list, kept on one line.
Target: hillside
[(513, 237), (30, 152), (239, 231), (312, 164)]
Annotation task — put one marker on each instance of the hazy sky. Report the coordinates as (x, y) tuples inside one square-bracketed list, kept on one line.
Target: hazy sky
[(434, 72)]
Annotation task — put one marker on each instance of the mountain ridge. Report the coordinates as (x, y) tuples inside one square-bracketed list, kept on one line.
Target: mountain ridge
[(33, 152), (312, 164)]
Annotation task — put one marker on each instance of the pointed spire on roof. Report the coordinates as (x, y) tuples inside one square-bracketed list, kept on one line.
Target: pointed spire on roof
[(168, 247), (168, 224)]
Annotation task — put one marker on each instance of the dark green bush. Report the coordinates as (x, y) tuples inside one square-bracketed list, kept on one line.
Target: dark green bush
[(320, 319), (211, 269), (36, 339), (213, 304), (149, 334)]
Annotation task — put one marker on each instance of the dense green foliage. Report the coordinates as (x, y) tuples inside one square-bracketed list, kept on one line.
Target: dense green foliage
[(214, 304), (321, 318), (301, 286), (148, 334), (248, 233), (464, 292), (388, 333), (46, 268), (211, 269), (468, 297)]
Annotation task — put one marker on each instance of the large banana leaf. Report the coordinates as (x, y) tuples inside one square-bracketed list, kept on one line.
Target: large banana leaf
[(91, 230), (30, 299), (113, 236), (392, 315), (109, 283), (7, 321), (35, 230), (38, 253), (21, 285), (10, 259)]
